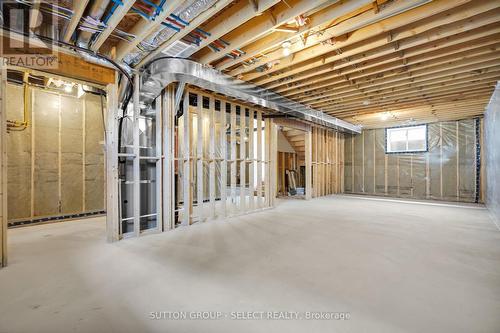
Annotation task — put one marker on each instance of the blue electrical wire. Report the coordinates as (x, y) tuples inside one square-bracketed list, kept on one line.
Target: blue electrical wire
[(168, 25), (179, 19)]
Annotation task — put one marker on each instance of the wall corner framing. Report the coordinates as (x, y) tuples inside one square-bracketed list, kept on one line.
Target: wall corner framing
[(3, 168), (112, 194)]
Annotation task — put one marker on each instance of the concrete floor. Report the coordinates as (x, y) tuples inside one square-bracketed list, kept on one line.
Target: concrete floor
[(393, 266)]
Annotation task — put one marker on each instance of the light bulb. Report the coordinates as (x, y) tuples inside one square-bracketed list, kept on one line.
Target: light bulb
[(286, 48)]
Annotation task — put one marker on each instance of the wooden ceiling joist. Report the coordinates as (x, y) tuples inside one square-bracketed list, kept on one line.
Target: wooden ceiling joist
[(444, 92), (421, 89), (378, 46), (431, 54), (35, 10), (112, 23), (471, 105), (392, 94), (448, 95), (232, 18), (406, 117), (383, 26), (78, 9), (372, 70), (145, 28), (436, 102), (260, 25), (316, 22), (407, 77)]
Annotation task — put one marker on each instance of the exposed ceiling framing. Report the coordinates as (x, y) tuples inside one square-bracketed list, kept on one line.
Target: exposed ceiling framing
[(363, 61)]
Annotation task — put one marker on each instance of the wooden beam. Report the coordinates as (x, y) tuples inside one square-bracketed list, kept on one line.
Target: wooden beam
[(113, 216), (200, 193), (427, 91), (211, 155), (316, 22), (393, 64), (137, 156), (223, 157), (78, 9), (168, 118), (232, 18), (243, 159), (74, 67), (233, 161), (268, 166), (450, 96), (144, 28), (3, 166), (158, 154), (458, 110), (272, 162), (251, 160), (186, 158), (260, 161), (417, 107), (259, 26), (410, 36), (112, 23), (69, 63), (458, 88), (308, 162), (34, 13), (366, 25), (456, 63), (397, 87)]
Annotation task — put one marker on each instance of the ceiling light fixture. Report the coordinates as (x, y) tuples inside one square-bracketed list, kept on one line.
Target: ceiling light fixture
[(286, 48), (68, 87)]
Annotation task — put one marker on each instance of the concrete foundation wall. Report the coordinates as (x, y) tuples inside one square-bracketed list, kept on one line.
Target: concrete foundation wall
[(492, 152), (55, 165), (448, 171)]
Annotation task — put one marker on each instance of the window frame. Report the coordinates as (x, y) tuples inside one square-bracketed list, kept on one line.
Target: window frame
[(408, 151)]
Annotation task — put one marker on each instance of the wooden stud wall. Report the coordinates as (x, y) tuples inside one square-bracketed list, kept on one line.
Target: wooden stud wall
[(224, 159), (56, 164), (168, 157), (286, 161), (446, 172), (327, 161), (3, 168), (112, 195)]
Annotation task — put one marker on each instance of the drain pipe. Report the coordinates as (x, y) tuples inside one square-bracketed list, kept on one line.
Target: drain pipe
[(96, 12)]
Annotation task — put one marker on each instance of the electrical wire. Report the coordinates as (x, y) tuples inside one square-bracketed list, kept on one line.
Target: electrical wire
[(100, 93), (76, 48)]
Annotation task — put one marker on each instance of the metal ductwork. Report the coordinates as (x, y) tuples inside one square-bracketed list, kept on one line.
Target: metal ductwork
[(161, 72)]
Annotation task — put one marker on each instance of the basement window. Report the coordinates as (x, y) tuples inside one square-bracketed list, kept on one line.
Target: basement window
[(411, 139)]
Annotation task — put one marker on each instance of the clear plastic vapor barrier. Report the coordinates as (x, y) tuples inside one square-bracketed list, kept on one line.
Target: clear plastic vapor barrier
[(448, 169)]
